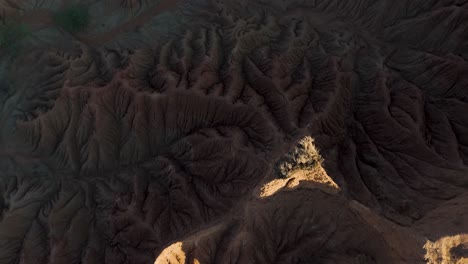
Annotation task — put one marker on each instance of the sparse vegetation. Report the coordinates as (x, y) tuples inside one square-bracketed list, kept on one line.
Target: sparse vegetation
[(72, 19), (11, 36), (304, 156)]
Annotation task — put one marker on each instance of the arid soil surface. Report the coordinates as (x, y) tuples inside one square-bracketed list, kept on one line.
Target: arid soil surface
[(237, 132)]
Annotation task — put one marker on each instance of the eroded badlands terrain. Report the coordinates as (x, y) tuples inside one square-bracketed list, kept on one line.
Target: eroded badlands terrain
[(238, 132)]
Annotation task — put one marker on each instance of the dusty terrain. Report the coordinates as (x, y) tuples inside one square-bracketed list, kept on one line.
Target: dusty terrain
[(237, 132)]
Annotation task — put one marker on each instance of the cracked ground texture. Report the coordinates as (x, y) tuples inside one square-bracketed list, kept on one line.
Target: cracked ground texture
[(298, 132)]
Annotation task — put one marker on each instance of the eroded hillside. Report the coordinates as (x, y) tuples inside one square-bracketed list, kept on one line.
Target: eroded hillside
[(234, 132)]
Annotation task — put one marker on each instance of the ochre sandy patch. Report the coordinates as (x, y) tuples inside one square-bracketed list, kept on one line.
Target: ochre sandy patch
[(315, 178), (302, 165), (447, 250), (172, 255)]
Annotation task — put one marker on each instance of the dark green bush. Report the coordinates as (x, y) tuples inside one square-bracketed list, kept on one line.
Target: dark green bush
[(11, 35), (72, 19)]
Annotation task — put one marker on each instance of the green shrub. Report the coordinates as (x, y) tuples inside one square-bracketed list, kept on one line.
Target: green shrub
[(11, 35), (72, 19)]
